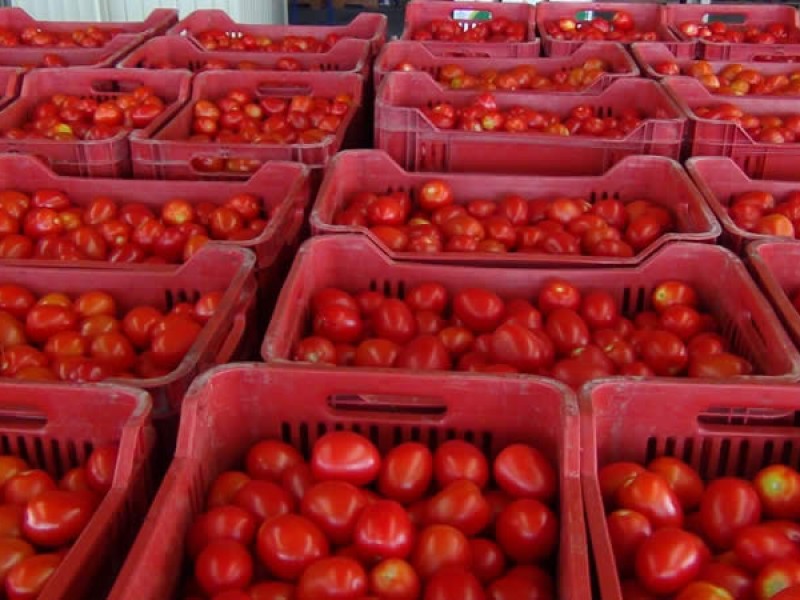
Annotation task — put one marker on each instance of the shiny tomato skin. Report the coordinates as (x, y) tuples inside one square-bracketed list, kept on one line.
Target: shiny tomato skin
[(263, 499), (288, 544), (703, 590), (100, 468), (345, 456), (26, 485), (478, 309), (332, 578), (524, 349), (523, 471), (138, 324), (394, 579), (527, 530), (334, 507), (170, 345), (297, 480), (269, 460), (683, 479), (223, 565), (340, 324), (670, 293), (56, 517), (16, 300), (669, 559), (558, 294), (424, 353), (775, 577), (332, 296), (457, 459), (221, 522), (383, 530), (611, 477), (394, 321), (427, 296), (488, 561), (523, 583), (315, 349), (627, 530), (728, 505), (567, 330), (406, 472), (461, 505), (28, 578), (439, 546), (651, 495), (454, 583), (756, 546), (778, 488), (44, 321), (271, 590), (12, 552), (664, 352), (224, 488), (599, 310), (736, 580)]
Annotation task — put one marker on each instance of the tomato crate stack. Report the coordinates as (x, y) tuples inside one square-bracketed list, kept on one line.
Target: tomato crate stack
[(57, 435), (234, 408)]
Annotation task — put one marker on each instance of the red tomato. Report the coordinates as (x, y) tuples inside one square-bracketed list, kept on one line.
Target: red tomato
[(730, 577), (383, 530), (728, 506), (777, 576), (315, 349), (523, 471), (56, 518), (221, 523), (29, 576), (269, 460), (457, 459), (288, 544), (224, 488), (12, 552), (113, 351), (612, 476), (478, 309), (16, 300), (345, 456), (722, 365), (334, 507), (683, 321), (439, 546), (43, 321), (683, 480), (521, 583), (488, 561), (599, 310), (558, 294), (271, 590), (757, 546), (11, 521), (263, 499), (516, 345), (26, 485), (100, 467), (297, 480), (340, 324), (778, 488), (332, 578), (394, 579), (376, 353), (703, 590), (139, 323), (627, 530), (454, 583), (651, 495), (567, 330), (406, 472), (669, 559), (332, 296), (527, 530), (173, 340), (670, 293), (223, 565), (461, 505), (664, 352), (393, 320)]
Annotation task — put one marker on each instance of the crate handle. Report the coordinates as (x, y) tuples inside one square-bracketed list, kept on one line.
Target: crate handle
[(464, 14), (591, 14), (388, 405), (283, 88), (22, 418), (113, 86), (727, 18), (725, 416)]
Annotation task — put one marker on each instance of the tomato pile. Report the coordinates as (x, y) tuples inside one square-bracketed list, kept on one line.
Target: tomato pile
[(286, 63), (88, 338), (674, 535), (483, 114), (48, 61), (241, 117), (91, 37), (774, 33), (758, 212), (68, 118), (769, 129), (523, 77), (620, 28), (433, 222), (215, 39), (735, 79), (47, 225), (350, 522), (497, 30), (40, 518), (563, 333)]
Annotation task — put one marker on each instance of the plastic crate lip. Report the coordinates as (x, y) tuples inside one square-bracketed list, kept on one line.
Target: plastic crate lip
[(182, 478), (674, 15), (774, 288), (217, 18), (514, 11), (352, 81), (544, 65), (695, 167), (338, 51), (509, 98), (321, 224), (268, 171), (157, 19), (236, 292), (274, 347), (27, 95), (743, 396)]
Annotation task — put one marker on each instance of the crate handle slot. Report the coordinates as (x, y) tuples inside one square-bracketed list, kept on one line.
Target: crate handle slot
[(283, 88), (590, 14), (721, 416), (388, 405), (728, 18), (22, 418), (113, 86), (472, 15)]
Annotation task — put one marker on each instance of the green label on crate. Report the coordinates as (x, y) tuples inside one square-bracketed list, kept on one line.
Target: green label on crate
[(472, 15)]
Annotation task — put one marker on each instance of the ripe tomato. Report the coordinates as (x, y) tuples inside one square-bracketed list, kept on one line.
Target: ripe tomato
[(461, 505), (383, 530), (394, 579), (393, 320), (56, 518), (26, 485), (223, 565), (523, 471), (567, 330), (728, 506), (439, 546), (703, 590), (651, 495), (736, 580), (671, 293), (527, 530), (526, 350), (683, 480), (100, 467), (523, 582), (334, 507), (777, 576), (488, 561), (478, 309), (664, 352), (27, 578), (12, 552), (332, 578), (669, 559), (224, 488), (599, 310), (612, 476), (457, 459), (289, 543), (11, 521), (454, 583), (269, 460), (406, 472), (758, 545), (221, 523), (139, 323), (558, 294), (263, 499), (172, 340), (297, 480), (627, 529), (44, 321), (778, 488), (340, 324), (315, 349), (345, 456), (113, 351), (271, 590)]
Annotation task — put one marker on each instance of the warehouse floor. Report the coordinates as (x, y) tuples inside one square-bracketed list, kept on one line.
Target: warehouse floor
[(303, 15)]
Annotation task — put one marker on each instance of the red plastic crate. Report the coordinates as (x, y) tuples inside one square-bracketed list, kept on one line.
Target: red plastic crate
[(648, 55), (645, 16), (744, 315), (99, 158), (720, 179), (132, 34), (774, 264), (10, 81), (55, 427), (214, 267), (658, 179), (720, 430), (724, 138), (168, 154), (420, 13), (738, 16), (365, 26), (347, 56), (234, 407), (416, 53), (412, 140)]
